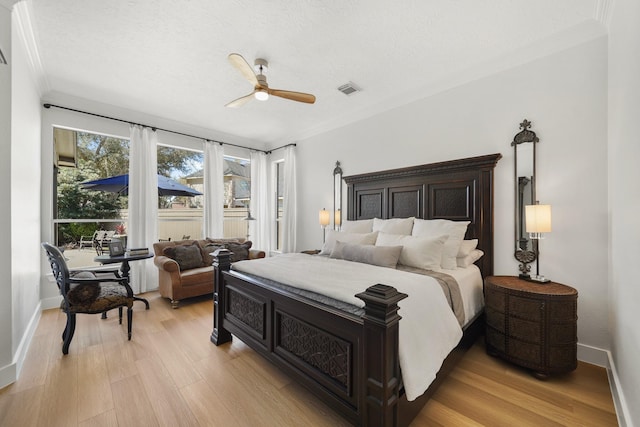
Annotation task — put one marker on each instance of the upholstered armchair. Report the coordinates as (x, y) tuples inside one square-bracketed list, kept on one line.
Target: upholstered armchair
[(88, 292)]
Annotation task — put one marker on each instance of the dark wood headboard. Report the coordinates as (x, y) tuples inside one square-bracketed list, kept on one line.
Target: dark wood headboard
[(458, 190)]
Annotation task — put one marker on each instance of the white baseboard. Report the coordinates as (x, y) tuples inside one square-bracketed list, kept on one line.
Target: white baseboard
[(593, 355), (622, 409), (10, 373), (600, 357)]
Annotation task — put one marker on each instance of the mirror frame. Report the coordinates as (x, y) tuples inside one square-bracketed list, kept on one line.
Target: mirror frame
[(524, 255), (337, 196)]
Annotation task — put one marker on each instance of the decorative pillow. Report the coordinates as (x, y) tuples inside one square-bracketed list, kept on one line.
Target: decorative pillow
[(360, 226), (465, 262), (419, 252), (438, 227), (207, 249), (394, 225), (83, 293), (343, 236), (383, 256), (187, 256), (466, 246), (240, 250)]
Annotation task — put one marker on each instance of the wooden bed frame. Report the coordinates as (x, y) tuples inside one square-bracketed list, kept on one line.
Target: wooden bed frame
[(348, 361)]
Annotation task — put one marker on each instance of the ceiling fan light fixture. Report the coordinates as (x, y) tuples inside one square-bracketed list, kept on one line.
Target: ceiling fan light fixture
[(261, 95)]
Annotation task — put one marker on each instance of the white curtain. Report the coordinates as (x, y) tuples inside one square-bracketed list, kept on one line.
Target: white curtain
[(289, 213), (143, 204), (213, 190), (260, 229)]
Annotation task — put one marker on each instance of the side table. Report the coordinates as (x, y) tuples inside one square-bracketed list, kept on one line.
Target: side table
[(532, 325)]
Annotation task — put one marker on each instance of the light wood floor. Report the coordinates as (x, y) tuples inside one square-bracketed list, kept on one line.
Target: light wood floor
[(171, 374)]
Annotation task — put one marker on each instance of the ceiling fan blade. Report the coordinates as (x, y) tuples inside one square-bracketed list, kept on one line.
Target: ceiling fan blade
[(243, 66), (294, 96), (240, 101)]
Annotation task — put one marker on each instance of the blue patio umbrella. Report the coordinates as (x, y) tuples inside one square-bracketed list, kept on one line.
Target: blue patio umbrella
[(120, 184)]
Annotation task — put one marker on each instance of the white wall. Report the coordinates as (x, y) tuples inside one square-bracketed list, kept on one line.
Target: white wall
[(20, 172), (25, 202), (7, 369), (624, 188), (565, 97)]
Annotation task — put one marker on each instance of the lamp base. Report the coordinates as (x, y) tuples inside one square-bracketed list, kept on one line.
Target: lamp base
[(539, 278)]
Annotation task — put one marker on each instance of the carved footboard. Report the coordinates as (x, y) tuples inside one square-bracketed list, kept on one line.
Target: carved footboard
[(349, 362)]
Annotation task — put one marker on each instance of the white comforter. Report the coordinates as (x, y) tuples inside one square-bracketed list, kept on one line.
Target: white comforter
[(428, 329)]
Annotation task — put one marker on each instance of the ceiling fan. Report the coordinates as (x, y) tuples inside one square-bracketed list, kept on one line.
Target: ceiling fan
[(261, 90)]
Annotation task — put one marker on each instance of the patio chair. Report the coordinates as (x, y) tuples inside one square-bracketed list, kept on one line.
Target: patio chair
[(89, 292), (87, 241), (101, 242)]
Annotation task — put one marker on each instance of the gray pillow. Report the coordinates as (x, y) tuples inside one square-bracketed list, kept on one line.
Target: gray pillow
[(240, 250), (187, 256), (383, 256)]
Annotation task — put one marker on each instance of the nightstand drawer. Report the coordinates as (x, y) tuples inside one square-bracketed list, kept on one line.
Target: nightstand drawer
[(495, 319), (525, 308), (525, 330), (563, 333), (528, 354)]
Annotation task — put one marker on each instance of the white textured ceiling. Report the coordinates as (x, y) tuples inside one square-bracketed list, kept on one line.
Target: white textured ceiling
[(168, 58)]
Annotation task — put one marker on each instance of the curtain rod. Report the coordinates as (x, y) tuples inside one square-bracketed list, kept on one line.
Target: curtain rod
[(154, 128)]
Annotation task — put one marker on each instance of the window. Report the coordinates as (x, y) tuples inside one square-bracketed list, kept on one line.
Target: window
[(80, 213), (180, 216), (80, 157), (237, 196)]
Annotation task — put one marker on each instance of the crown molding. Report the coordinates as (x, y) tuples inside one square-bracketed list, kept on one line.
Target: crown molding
[(29, 39)]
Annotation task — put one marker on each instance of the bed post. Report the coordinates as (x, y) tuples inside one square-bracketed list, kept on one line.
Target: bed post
[(381, 368), (221, 263)]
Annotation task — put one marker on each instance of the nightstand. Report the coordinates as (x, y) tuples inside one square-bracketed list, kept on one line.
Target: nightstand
[(532, 325)]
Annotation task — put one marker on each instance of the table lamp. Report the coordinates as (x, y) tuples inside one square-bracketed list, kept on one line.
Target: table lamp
[(325, 219), (537, 222)]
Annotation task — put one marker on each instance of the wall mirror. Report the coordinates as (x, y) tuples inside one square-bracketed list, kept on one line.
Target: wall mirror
[(524, 158), (337, 196)]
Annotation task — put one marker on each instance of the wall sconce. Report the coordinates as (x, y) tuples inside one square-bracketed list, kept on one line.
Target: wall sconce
[(325, 219), (337, 196), (248, 218), (537, 222)]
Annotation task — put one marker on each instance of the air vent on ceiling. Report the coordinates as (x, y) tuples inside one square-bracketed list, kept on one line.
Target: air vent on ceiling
[(349, 88)]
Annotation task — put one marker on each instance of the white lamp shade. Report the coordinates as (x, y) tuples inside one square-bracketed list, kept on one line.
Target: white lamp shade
[(537, 218), (324, 218)]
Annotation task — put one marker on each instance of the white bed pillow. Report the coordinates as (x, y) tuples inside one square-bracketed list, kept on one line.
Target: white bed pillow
[(343, 236), (464, 262), (466, 246), (419, 252), (394, 225), (383, 256), (359, 226), (438, 227)]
